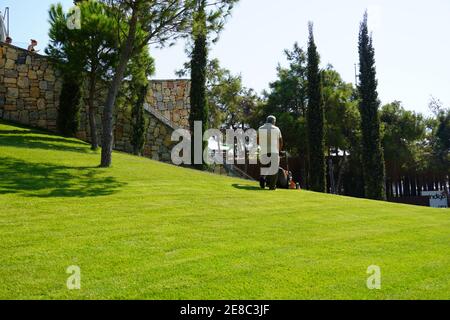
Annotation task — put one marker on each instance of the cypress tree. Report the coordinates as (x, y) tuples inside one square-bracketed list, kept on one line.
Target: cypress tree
[(199, 106), (372, 152), (315, 119)]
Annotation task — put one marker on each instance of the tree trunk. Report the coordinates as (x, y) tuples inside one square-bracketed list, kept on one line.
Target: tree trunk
[(125, 55), (92, 110), (342, 168)]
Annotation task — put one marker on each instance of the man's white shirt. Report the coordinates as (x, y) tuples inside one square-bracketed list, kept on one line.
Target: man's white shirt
[(269, 138)]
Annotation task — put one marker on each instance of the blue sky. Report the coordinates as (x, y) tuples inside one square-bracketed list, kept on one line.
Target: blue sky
[(411, 39)]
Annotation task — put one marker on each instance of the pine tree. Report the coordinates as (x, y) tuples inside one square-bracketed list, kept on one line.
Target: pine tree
[(372, 152), (315, 119), (199, 60), (89, 52)]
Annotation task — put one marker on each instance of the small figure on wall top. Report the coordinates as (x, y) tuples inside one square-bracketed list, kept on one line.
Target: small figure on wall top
[(32, 46)]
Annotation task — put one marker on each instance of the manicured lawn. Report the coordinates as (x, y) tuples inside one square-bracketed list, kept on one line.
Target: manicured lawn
[(146, 230)]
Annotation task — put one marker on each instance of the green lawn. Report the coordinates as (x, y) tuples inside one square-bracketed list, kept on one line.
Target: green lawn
[(146, 230)]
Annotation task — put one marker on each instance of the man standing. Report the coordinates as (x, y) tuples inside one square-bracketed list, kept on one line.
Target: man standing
[(31, 47), (271, 143)]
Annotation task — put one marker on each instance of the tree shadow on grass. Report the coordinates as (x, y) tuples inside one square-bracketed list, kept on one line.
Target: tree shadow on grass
[(33, 140), (45, 180)]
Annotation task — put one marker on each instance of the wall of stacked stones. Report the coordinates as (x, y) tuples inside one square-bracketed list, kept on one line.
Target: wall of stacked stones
[(29, 88), (158, 140), (160, 148), (171, 99), (29, 94)]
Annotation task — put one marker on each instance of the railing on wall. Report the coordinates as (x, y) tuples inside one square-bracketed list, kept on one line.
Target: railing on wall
[(408, 187)]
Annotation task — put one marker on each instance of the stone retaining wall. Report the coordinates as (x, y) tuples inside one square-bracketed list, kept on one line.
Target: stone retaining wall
[(172, 99), (29, 88), (29, 94)]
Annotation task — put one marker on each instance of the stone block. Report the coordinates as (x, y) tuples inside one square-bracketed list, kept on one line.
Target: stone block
[(41, 104), (32, 75), (12, 93), (166, 93), (34, 116), (176, 117), (10, 107), (168, 141), (43, 85), (180, 92), (180, 104), (42, 123), (155, 156), (156, 132), (23, 82), (11, 74), (49, 95), (10, 64), (10, 80), (24, 93), (34, 92), (12, 54), (11, 101), (20, 104), (23, 68), (42, 114), (14, 116), (23, 116)]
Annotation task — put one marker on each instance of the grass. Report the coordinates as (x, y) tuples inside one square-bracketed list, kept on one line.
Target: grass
[(147, 230)]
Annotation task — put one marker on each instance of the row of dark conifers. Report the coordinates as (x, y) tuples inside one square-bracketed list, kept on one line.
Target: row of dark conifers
[(401, 186)]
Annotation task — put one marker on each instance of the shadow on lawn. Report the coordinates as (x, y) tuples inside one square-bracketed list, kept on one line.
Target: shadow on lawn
[(46, 180), (247, 187), (29, 140)]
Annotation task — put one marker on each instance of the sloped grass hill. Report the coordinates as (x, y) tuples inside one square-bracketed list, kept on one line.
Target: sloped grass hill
[(147, 230)]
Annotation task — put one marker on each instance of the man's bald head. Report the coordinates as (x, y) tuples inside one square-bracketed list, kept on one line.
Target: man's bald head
[(271, 120)]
